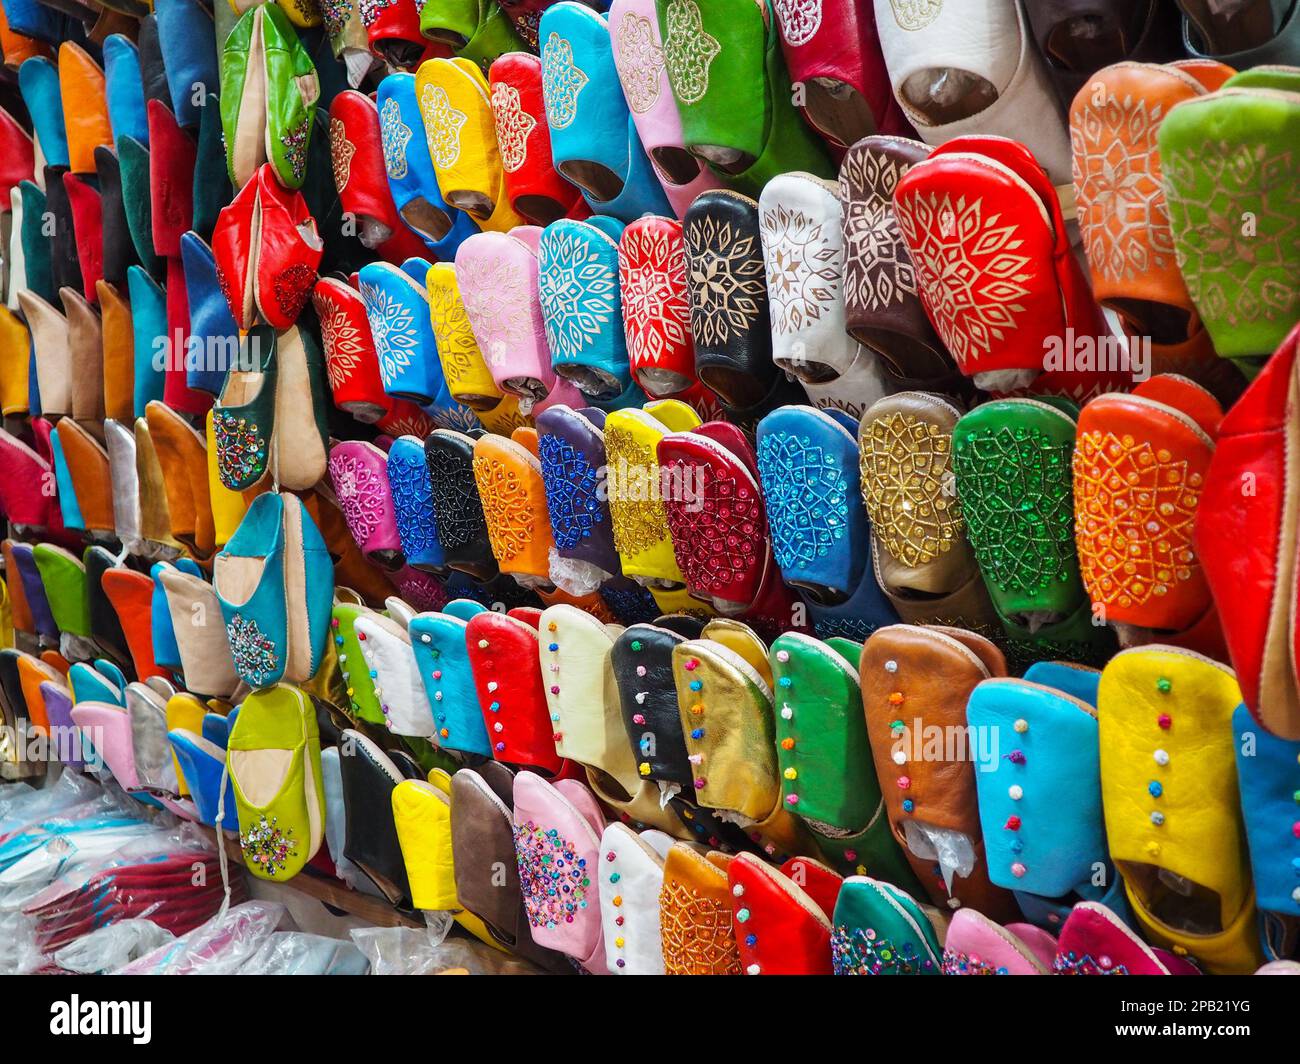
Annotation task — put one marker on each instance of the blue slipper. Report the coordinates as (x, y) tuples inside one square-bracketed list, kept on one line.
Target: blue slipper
[(125, 89), (438, 640), (38, 81), (149, 331), (202, 764), (408, 481), (594, 142), (213, 336), (397, 307), (188, 39)]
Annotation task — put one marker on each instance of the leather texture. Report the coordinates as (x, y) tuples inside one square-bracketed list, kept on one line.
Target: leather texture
[(779, 929)]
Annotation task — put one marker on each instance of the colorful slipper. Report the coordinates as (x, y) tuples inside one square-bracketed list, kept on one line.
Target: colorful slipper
[(571, 447), (779, 928), (359, 474), (975, 945), (457, 508), (202, 646), (274, 758), (535, 190), (880, 930), (513, 494), (464, 368), (695, 915), (397, 306), (656, 306), (438, 642)]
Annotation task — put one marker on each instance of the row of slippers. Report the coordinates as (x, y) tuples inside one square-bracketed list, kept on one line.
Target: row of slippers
[(1107, 515), (911, 758)]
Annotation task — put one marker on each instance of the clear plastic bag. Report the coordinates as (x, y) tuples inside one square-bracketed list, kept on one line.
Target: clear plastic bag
[(299, 953), (430, 951), (222, 946)]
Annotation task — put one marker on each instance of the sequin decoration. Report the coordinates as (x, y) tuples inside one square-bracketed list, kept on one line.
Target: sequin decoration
[(630, 605), (967, 964), (341, 152), (408, 480), (442, 126), (1018, 506), (294, 141), (254, 652), (553, 877), (394, 134), (507, 508), (717, 524), (697, 932), (860, 951), (360, 489), (640, 61), (292, 287), (513, 125), (1135, 506), (335, 14), (635, 502), (1072, 963), (372, 9), (807, 498), (241, 450), (906, 471), (267, 847), (688, 51), (571, 485), (562, 82)]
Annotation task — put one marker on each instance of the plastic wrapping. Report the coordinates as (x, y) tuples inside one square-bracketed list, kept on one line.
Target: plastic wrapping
[(222, 946), (298, 953), (111, 947), (951, 849), (412, 951), (577, 577)]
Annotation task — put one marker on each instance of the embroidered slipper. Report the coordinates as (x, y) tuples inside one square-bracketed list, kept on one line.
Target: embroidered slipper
[(594, 141), (359, 474), (730, 323), (393, 31), (350, 360), (269, 93), (202, 645), (1030, 848), (779, 929), (514, 702), (881, 930), (469, 381), (1241, 541), (412, 179), (357, 161), (1266, 777), (1164, 717), (274, 759), (486, 867), (397, 306), (535, 189), (479, 30), (513, 495), (457, 117), (656, 308), (1211, 167), (1094, 941), (715, 513), (557, 831), (182, 456), (803, 250), (947, 206), (824, 756), (844, 91), (695, 914), (571, 446), (1124, 443), (409, 483), (578, 290), (457, 508), (711, 54), (497, 276), (1003, 82), (914, 679)]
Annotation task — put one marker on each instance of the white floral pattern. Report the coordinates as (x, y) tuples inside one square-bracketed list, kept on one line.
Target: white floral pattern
[(915, 14), (802, 259), (877, 270), (799, 19), (562, 82), (652, 280), (344, 345), (442, 126), (640, 61), (393, 328), (514, 126), (395, 135), (578, 291)]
